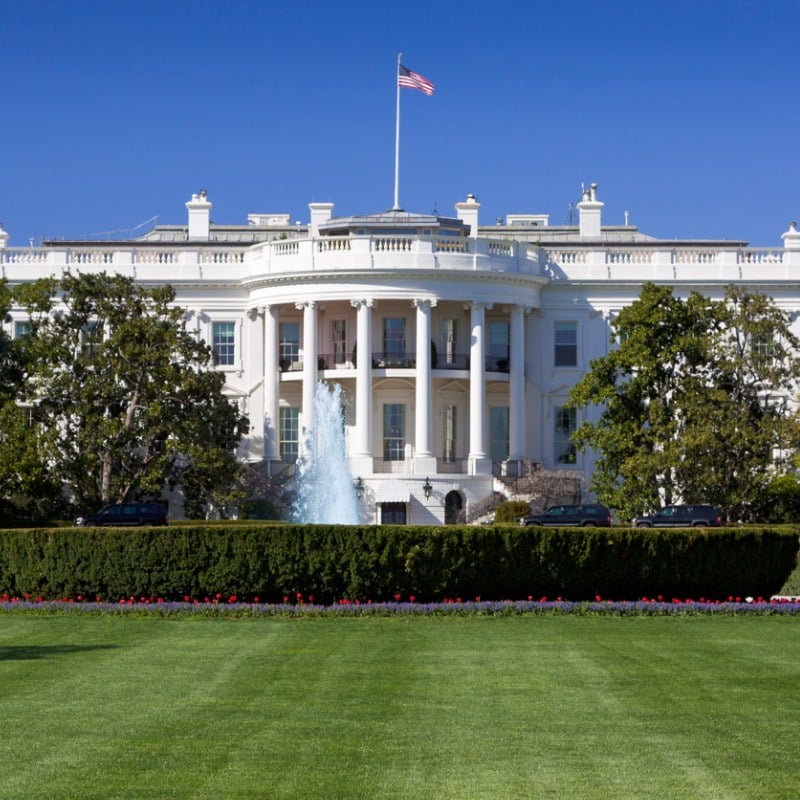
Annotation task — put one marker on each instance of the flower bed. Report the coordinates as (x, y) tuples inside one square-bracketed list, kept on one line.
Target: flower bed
[(231, 606)]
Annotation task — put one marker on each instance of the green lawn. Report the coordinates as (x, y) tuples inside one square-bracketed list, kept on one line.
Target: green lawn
[(521, 707)]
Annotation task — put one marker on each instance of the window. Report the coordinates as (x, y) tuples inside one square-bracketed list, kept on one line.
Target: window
[(394, 432), (289, 434), (498, 433), (450, 434), (91, 337), (289, 344), (565, 425), (223, 343), (449, 332), (22, 329), (762, 348), (566, 344), (394, 340), (498, 346), (393, 514), (339, 341)]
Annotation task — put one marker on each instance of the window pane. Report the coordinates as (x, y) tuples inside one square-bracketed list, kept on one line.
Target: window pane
[(393, 514), (565, 425), (394, 432), (289, 344), (450, 434), (339, 341), (449, 332), (223, 343), (21, 329), (498, 433), (91, 337), (289, 434), (394, 336), (566, 344)]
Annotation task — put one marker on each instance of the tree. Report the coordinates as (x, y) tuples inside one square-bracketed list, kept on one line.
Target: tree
[(27, 488), (693, 401), (126, 399)]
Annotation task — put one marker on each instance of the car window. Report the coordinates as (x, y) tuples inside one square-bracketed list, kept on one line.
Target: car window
[(555, 511), (129, 510), (110, 511)]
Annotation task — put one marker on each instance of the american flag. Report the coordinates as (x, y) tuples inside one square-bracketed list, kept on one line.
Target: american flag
[(413, 80)]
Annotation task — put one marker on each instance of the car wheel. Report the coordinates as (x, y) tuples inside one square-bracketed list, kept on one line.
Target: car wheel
[(643, 525), (589, 524)]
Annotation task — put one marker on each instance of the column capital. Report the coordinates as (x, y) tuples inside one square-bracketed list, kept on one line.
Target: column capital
[(255, 312), (478, 304), (421, 302), (305, 304), (362, 303)]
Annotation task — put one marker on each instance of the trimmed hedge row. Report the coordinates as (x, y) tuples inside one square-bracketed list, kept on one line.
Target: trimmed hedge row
[(335, 562)]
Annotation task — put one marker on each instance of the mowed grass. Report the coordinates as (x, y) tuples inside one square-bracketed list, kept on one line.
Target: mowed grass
[(520, 707)]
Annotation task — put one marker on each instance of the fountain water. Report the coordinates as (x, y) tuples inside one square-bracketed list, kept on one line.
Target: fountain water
[(324, 485)]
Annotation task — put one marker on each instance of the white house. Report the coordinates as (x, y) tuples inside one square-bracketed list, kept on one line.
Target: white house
[(455, 343)]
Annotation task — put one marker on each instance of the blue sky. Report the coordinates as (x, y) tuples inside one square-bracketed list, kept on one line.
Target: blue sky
[(685, 112)]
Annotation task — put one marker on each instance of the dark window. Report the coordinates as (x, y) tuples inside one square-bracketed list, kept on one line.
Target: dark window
[(393, 514)]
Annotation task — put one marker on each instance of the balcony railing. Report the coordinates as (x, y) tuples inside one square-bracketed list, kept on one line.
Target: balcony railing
[(456, 361), (394, 360)]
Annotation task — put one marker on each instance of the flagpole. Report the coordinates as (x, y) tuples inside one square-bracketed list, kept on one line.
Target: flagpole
[(396, 206)]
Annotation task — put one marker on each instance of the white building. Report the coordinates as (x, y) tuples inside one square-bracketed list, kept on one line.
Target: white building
[(455, 343)]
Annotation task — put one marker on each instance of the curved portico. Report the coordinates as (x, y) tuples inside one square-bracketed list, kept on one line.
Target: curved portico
[(418, 321)]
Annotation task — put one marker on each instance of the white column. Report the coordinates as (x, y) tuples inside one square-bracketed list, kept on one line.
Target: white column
[(424, 460), (479, 460), (516, 386), (363, 431), (272, 377), (253, 352), (309, 362)]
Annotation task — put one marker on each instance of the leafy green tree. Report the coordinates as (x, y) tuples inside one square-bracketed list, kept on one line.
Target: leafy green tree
[(126, 399), (27, 489), (692, 399)]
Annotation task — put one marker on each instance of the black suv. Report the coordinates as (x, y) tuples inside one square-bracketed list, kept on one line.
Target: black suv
[(122, 514), (589, 515), (681, 517)]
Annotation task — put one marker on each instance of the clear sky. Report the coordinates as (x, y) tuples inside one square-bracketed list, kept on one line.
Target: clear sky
[(684, 112)]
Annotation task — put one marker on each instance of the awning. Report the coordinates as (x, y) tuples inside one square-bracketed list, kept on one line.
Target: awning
[(392, 492)]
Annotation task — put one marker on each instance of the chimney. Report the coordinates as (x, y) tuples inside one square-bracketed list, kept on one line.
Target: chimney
[(791, 239), (320, 213), (467, 212), (3, 237), (590, 209), (199, 216)]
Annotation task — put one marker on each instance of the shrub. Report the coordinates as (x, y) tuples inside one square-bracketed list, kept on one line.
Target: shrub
[(334, 562), (511, 511)]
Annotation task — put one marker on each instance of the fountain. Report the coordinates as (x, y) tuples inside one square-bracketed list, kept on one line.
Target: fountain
[(324, 485)]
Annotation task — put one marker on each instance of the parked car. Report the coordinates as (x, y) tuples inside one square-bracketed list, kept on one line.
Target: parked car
[(125, 514), (681, 517), (587, 515)]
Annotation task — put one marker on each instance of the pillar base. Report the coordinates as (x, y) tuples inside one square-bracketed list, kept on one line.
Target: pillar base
[(479, 465), (425, 465)]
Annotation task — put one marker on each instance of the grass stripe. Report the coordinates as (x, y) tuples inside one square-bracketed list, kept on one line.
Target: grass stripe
[(518, 707)]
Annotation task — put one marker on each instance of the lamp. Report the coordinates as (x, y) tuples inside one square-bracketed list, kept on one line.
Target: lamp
[(427, 488), (358, 485)]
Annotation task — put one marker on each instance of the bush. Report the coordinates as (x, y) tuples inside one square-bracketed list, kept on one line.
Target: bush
[(334, 562), (511, 511)]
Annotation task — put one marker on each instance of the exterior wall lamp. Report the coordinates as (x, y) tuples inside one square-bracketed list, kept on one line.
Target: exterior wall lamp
[(427, 488), (358, 485)]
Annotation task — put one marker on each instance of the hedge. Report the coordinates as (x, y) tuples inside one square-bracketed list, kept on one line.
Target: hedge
[(334, 562)]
